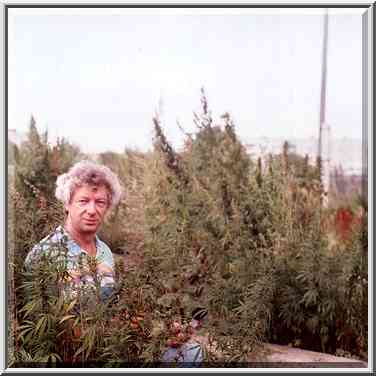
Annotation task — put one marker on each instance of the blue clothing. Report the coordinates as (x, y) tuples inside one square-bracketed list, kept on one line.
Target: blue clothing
[(190, 354), (77, 261)]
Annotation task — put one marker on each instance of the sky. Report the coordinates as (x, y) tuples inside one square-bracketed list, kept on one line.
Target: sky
[(97, 76)]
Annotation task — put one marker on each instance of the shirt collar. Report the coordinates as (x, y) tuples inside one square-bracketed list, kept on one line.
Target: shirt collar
[(73, 244)]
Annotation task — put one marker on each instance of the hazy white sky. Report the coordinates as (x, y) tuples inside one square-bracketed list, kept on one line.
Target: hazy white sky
[(96, 76)]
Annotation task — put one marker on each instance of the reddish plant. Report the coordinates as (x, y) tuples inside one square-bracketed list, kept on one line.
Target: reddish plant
[(343, 221)]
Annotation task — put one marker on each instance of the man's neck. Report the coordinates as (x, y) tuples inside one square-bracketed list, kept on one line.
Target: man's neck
[(85, 240)]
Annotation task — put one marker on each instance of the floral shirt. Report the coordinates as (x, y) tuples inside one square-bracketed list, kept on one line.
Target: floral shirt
[(78, 262)]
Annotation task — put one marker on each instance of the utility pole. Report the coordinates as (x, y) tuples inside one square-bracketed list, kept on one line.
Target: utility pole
[(324, 129)]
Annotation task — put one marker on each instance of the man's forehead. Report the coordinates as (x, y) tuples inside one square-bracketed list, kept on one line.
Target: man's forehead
[(90, 188)]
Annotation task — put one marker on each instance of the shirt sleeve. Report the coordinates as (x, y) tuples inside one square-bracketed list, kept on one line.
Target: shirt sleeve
[(31, 256), (49, 246)]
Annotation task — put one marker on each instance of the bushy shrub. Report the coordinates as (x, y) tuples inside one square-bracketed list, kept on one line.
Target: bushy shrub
[(246, 240), (206, 243), (32, 204), (249, 243), (33, 211), (58, 328)]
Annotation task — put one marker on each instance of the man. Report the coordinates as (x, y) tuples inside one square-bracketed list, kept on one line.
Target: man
[(88, 191)]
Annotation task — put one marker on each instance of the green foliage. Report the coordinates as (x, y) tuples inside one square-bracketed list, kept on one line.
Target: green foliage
[(201, 245), (33, 205), (33, 209), (57, 326), (313, 279), (33, 212), (247, 240)]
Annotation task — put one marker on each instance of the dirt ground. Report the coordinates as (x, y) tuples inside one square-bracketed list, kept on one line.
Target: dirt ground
[(277, 356), (285, 354)]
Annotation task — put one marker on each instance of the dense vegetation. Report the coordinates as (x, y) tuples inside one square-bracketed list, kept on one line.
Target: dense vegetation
[(250, 241)]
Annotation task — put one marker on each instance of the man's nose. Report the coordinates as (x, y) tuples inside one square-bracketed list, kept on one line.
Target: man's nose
[(91, 207)]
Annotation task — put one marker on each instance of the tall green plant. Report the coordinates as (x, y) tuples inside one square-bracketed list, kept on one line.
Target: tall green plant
[(201, 238)]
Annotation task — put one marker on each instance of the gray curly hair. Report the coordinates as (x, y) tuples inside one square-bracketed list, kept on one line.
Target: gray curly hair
[(87, 172)]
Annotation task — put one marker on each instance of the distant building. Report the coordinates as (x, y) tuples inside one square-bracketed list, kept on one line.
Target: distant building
[(344, 152)]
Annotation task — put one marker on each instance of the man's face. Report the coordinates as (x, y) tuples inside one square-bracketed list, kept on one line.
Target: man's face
[(87, 208)]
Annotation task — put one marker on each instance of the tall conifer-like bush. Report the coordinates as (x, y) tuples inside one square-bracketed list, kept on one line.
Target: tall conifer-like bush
[(33, 203), (203, 234), (33, 212)]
